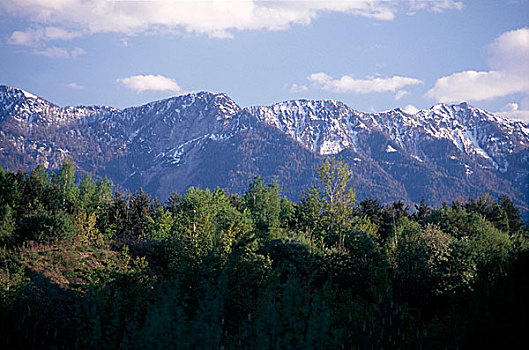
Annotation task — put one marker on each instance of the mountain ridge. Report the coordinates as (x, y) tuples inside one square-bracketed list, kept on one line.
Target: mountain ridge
[(454, 148)]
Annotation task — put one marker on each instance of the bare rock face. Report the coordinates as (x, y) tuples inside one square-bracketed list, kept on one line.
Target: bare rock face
[(206, 139)]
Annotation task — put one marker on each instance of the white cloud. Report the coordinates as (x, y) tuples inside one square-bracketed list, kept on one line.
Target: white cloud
[(213, 18), (361, 86), (141, 83), (518, 115), (434, 5), (77, 52), (477, 86), (75, 86), (34, 37), (53, 52), (509, 74), (29, 37), (510, 107), (410, 109), (295, 88), (441, 6), (56, 33), (59, 52), (38, 39), (401, 94), (510, 51), (513, 111)]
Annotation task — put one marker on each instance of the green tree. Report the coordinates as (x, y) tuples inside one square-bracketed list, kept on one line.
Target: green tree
[(310, 214), (439, 246), (46, 227), (66, 182), (160, 229), (7, 224), (408, 257), (422, 210), (492, 211), (334, 198), (264, 202), (31, 189), (8, 201), (513, 214), (140, 220), (87, 199)]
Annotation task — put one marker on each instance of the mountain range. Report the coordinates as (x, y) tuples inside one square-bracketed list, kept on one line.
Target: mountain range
[(206, 139)]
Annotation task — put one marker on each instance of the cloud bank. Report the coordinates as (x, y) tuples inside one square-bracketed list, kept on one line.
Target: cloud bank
[(508, 60), (295, 88), (33, 37), (59, 52), (434, 6), (140, 83), (512, 110), (361, 86), (213, 18)]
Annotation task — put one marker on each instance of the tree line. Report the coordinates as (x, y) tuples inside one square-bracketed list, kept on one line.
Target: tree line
[(86, 266)]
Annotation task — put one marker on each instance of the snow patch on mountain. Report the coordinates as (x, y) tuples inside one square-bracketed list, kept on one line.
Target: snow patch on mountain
[(28, 94), (390, 149), (171, 128)]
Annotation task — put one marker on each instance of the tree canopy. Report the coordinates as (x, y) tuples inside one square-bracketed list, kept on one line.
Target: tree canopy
[(86, 266)]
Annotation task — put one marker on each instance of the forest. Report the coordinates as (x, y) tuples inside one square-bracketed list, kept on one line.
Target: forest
[(85, 265)]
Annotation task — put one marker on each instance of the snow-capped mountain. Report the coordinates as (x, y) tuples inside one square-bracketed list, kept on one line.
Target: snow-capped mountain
[(484, 137), (30, 110), (325, 127), (206, 139), (329, 127)]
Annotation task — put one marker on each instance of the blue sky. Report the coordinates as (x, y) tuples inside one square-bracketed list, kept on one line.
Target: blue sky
[(372, 55)]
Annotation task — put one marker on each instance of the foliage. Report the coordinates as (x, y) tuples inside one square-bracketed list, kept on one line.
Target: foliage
[(85, 266), (328, 208)]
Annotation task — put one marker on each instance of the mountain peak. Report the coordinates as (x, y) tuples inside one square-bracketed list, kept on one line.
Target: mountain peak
[(21, 92), (15, 93), (184, 140)]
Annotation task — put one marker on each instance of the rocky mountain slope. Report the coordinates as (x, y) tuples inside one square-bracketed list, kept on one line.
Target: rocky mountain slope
[(206, 139)]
